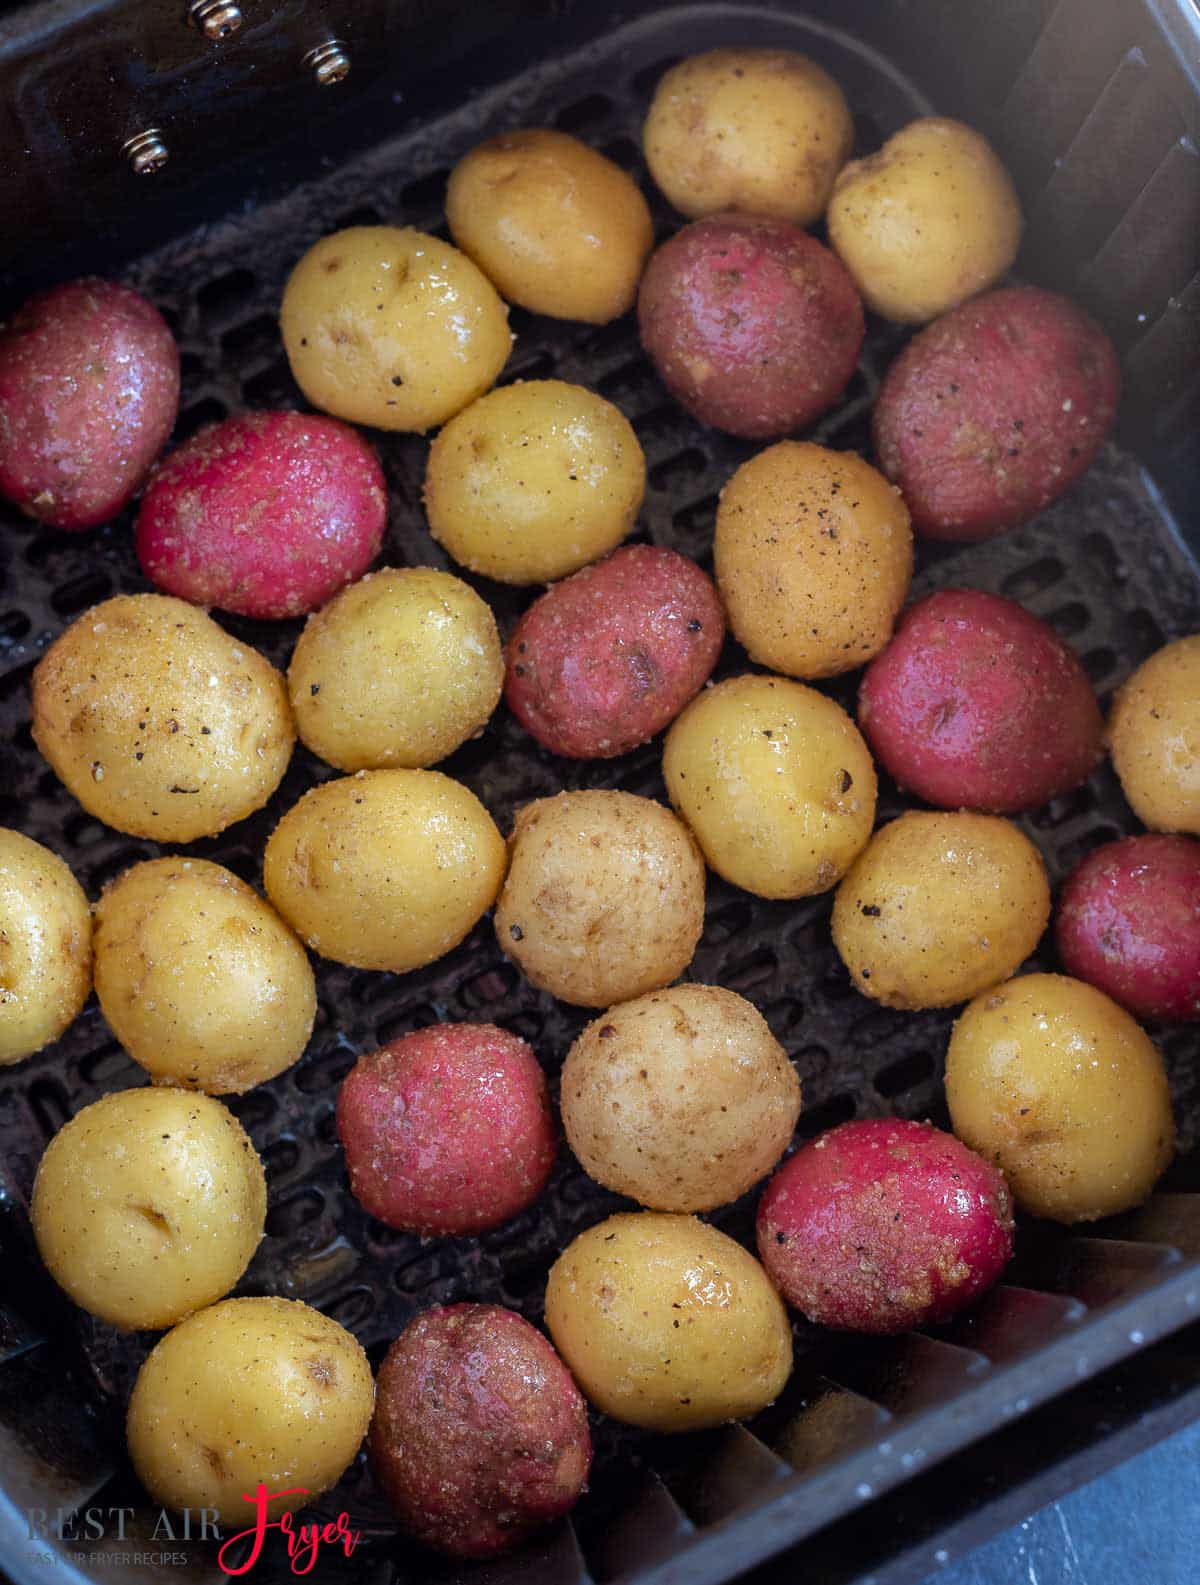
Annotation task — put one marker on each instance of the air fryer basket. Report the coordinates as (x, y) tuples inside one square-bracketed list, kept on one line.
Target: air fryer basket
[(1091, 101)]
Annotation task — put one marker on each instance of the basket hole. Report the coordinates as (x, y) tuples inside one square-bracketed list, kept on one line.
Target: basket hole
[(1099, 664), (1072, 854), (838, 1109), (280, 1157), (14, 625), (536, 366), (1102, 553), (727, 922), (49, 1104), (363, 215), (253, 1110), (272, 387), (675, 470), (494, 985), (426, 192), (202, 413), (78, 593), (749, 971), (623, 381), (903, 1075), (404, 1022), (1073, 805), (1027, 582), (324, 1071), (117, 864), (623, 152), (298, 1210), (191, 368), (1069, 620), (585, 112), (220, 295), (352, 1309), (699, 515), (104, 1065), (252, 337), (1145, 633), (646, 81)]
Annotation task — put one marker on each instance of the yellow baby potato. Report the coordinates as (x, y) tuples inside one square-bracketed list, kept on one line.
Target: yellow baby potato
[(1154, 735), (45, 946)]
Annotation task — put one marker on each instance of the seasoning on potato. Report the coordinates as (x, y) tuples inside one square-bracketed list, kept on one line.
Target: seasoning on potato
[(159, 722), (399, 670), (1060, 1088), (667, 1323), (1154, 735), (148, 1205), (775, 782), (554, 225), (813, 555), (45, 947), (682, 1099), (249, 1390), (388, 326), (758, 130), (386, 869), (534, 481), (604, 898)]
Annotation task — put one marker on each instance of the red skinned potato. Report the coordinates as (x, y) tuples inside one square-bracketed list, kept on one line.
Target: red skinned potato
[(976, 704), (479, 1434), (1129, 923), (266, 514), (751, 323), (610, 656), (448, 1130), (89, 393), (994, 410), (883, 1225)]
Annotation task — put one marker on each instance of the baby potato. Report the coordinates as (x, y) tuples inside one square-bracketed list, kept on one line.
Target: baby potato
[(667, 1323), (762, 131), (400, 669), (929, 221), (387, 869), (681, 1099), (201, 982), (388, 326), (1154, 736), (1060, 1088), (554, 225), (814, 555), (159, 722), (604, 898), (148, 1205), (45, 947), (938, 907), (775, 782), (534, 481), (250, 1390)]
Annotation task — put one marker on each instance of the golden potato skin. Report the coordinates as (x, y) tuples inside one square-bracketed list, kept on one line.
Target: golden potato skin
[(1059, 1087), (775, 782), (1154, 736), (45, 946), (760, 131), (386, 869), (554, 225), (534, 481), (148, 1205), (397, 670), (199, 979), (814, 557), (388, 326), (929, 221), (667, 1323), (681, 1099), (250, 1390), (939, 907), (159, 722)]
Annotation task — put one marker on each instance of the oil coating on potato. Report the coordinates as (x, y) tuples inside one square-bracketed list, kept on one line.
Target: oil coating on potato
[(201, 982), (681, 1099), (554, 225), (398, 670), (250, 1390), (534, 481), (775, 782), (667, 1323), (604, 898), (148, 1205), (813, 555), (45, 946), (1154, 735), (1060, 1088), (159, 722), (938, 907)]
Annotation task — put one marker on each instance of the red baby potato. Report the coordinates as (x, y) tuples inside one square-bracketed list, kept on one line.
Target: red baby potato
[(89, 392), (994, 410), (1129, 923), (479, 1434), (266, 514), (883, 1225), (751, 323), (976, 704), (605, 659), (447, 1130)]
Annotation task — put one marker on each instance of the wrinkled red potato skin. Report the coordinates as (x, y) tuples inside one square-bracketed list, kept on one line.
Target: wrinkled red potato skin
[(610, 656), (479, 1435), (751, 323), (883, 1225), (976, 704), (448, 1130), (994, 410), (1129, 923), (266, 514), (89, 393)]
